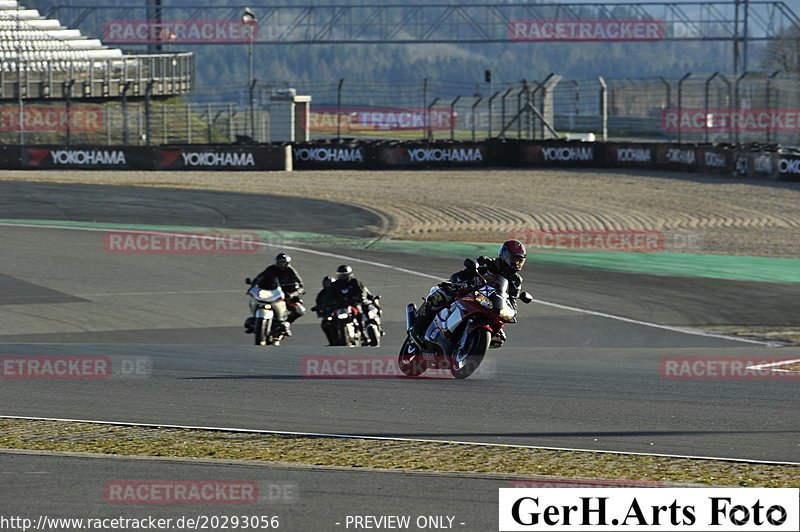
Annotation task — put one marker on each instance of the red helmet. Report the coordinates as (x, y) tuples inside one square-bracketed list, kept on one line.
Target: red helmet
[(512, 254)]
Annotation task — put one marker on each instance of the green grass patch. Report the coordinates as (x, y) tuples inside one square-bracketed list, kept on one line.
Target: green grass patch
[(401, 455)]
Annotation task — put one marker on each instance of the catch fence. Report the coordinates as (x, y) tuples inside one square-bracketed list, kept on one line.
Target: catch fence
[(752, 108)]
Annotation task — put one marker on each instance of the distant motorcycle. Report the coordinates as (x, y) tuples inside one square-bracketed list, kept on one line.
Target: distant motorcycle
[(345, 325), (262, 322), (372, 322), (460, 334)]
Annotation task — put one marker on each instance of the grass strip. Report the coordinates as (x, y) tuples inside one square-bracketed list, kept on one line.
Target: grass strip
[(418, 456), (763, 269)]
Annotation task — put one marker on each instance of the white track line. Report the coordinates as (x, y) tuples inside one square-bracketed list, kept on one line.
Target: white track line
[(765, 343), (771, 365), (387, 438)]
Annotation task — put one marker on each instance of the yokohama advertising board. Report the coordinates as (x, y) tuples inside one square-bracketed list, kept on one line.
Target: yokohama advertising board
[(559, 154), (223, 158), (425, 155)]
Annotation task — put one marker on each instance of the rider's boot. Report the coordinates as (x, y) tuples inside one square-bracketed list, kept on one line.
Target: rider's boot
[(498, 340), (249, 324)]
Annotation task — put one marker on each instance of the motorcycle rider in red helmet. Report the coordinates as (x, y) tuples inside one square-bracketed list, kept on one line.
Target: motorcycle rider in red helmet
[(509, 262)]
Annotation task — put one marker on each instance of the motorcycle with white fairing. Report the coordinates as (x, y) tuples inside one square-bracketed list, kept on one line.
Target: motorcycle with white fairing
[(263, 306)]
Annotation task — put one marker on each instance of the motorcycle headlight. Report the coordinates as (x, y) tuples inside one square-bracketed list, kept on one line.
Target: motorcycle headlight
[(507, 313), (342, 315), (264, 294), (483, 300)]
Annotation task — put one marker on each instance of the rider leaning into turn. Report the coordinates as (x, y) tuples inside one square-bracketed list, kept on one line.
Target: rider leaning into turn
[(509, 262), (283, 274)]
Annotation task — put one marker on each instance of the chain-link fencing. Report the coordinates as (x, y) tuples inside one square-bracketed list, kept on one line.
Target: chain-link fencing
[(752, 108)]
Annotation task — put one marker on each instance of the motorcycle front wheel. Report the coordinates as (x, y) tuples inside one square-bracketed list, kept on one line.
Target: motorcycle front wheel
[(261, 331), (411, 362), (352, 338), (373, 335), (469, 355)]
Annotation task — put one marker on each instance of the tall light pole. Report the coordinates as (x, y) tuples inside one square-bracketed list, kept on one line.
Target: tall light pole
[(250, 20)]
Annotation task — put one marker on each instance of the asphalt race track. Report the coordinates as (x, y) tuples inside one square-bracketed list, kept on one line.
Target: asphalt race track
[(564, 379), (303, 498)]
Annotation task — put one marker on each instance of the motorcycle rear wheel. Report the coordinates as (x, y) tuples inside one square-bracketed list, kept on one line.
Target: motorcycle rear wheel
[(466, 361), (410, 361)]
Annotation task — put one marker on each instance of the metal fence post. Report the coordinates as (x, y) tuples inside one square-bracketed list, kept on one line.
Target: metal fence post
[(148, 93), (519, 107), (208, 118), (339, 109), (107, 120), (453, 117), (705, 115), (68, 94), (503, 111), (769, 103), (668, 104), (428, 126), (491, 99), (603, 107), (425, 101), (680, 101), (230, 122), (474, 119), (528, 106), (126, 134), (737, 102)]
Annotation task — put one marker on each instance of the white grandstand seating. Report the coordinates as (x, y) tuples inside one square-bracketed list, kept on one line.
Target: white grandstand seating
[(30, 41)]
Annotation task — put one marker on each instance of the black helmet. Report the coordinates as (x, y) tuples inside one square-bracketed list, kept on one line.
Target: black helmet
[(327, 281), (344, 273), (512, 255), (282, 260)]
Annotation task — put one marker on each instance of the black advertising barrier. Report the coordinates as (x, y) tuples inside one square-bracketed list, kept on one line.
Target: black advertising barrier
[(332, 155), (216, 157), (731, 160), (627, 155), (680, 157), (433, 154), (9, 157), (87, 157), (762, 165), (212, 157), (716, 159), (788, 166), (561, 153)]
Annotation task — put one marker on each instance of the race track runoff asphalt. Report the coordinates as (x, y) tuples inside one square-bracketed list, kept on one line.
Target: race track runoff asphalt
[(564, 379)]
